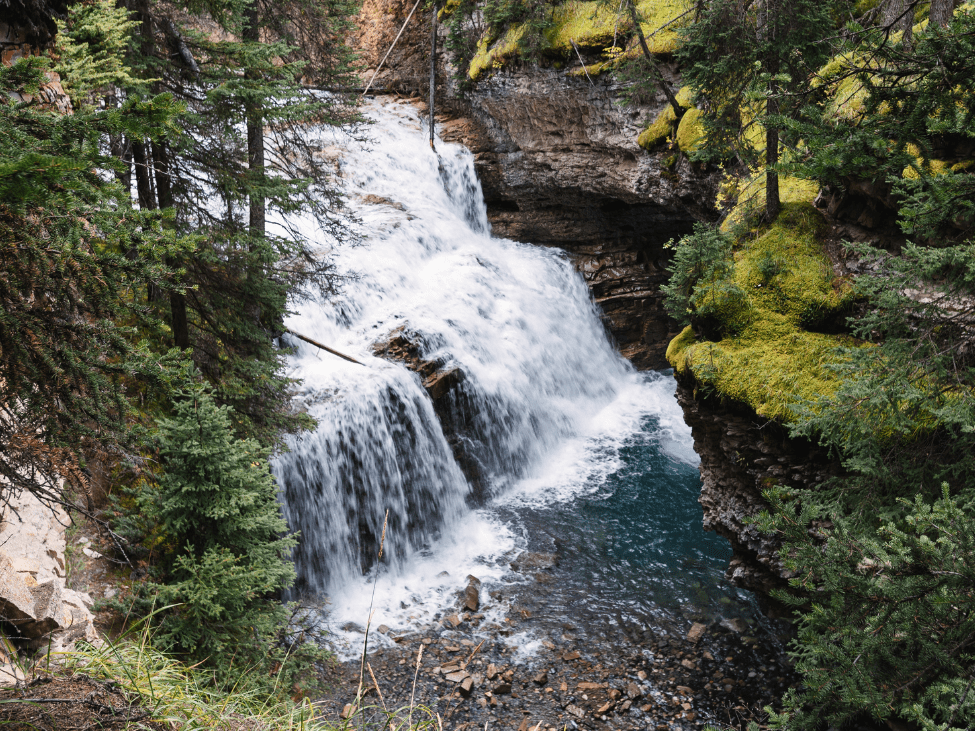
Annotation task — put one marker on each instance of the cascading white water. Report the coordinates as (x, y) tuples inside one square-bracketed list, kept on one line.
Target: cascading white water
[(516, 319)]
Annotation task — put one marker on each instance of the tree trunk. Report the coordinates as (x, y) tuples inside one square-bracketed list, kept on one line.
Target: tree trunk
[(941, 12), (177, 299), (255, 138), (433, 69), (658, 76), (770, 18), (899, 15)]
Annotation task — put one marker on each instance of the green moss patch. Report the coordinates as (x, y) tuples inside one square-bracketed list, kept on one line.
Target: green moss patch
[(591, 25), (495, 55), (690, 133), (781, 285), (663, 126)]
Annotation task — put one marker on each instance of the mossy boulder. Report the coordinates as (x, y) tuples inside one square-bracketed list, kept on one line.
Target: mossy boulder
[(663, 126), (690, 132)]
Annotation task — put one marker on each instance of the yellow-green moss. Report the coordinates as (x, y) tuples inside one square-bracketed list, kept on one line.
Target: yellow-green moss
[(655, 15), (663, 125), (690, 132), (493, 56), (448, 8), (781, 283), (592, 70), (750, 196), (590, 23)]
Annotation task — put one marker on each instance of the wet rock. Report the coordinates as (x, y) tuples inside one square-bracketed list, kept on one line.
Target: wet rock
[(453, 620), (540, 678), (735, 624), (574, 655), (472, 594), (492, 671), (696, 632), (528, 561), (633, 691), (503, 688)]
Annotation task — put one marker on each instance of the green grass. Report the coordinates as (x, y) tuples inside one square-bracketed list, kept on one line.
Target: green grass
[(185, 696)]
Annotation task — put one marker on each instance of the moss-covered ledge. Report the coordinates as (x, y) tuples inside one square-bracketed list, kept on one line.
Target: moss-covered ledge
[(589, 26), (741, 374), (774, 314)]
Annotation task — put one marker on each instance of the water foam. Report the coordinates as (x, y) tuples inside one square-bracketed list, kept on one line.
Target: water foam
[(546, 400)]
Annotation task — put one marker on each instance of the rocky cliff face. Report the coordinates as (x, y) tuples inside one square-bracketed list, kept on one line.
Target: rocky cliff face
[(741, 455), (560, 166)]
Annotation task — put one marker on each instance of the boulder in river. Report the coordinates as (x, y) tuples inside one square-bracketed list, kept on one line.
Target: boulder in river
[(529, 561)]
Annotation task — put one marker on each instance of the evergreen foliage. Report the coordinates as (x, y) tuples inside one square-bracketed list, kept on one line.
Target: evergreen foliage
[(222, 550), (71, 253), (699, 274), (887, 627), (883, 590)]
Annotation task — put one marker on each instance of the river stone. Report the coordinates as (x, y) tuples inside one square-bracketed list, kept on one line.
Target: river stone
[(633, 691), (696, 632), (532, 561), (502, 688), (472, 594), (735, 624)]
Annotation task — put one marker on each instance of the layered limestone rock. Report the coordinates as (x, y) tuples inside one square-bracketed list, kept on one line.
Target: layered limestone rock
[(442, 383), (743, 454), (36, 609), (18, 41)]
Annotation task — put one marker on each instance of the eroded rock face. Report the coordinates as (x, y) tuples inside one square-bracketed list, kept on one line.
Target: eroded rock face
[(559, 165), (35, 605), (741, 455), (442, 383)]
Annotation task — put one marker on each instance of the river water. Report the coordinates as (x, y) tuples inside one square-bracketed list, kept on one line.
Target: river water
[(584, 461)]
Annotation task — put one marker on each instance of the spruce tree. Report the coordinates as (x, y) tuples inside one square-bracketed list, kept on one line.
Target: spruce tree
[(223, 549), (68, 337), (749, 64)]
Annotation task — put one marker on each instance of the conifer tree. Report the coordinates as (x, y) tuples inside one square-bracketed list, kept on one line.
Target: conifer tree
[(67, 322), (748, 61), (224, 549)]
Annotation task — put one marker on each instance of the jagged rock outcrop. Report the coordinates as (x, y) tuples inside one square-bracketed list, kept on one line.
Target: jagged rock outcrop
[(25, 32), (741, 455), (36, 608), (558, 161), (443, 383)]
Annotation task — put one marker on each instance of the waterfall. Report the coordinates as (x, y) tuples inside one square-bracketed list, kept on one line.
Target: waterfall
[(515, 322)]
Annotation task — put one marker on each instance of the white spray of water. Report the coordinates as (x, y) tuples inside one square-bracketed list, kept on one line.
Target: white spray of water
[(544, 401)]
